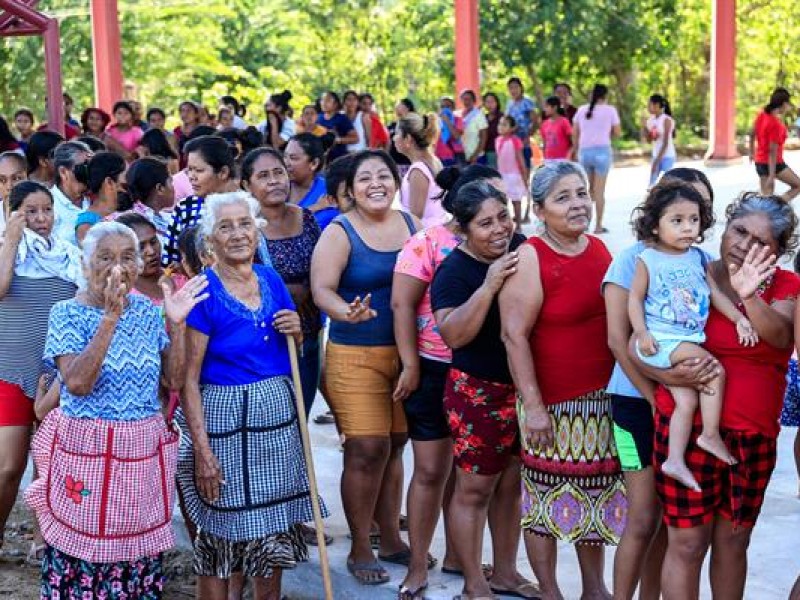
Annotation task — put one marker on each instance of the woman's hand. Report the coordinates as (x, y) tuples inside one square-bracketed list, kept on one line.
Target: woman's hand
[(287, 322), (359, 311), (538, 428), (14, 228), (646, 343), (758, 266), (207, 475), (178, 305), (114, 295), (500, 270), (406, 383), (746, 332)]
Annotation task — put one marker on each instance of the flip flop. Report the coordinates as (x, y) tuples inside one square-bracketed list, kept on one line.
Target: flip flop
[(406, 593), (488, 571), (403, 558), (325, 419), (368, 567), (527, 590)]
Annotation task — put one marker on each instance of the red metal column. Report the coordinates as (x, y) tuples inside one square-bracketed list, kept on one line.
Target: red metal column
[(107, 53), (52, 70), (722, 136), (466, 42)]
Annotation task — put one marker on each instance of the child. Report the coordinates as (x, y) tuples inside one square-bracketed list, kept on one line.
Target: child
[(669, 304), (511, 164), (660, 129), (101, 175), (556, 131)]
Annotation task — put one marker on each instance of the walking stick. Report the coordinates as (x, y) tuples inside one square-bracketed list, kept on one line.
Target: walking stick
[(312, 478)]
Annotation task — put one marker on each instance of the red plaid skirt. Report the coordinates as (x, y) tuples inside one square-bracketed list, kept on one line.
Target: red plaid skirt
[(106, 488), (735, 493)]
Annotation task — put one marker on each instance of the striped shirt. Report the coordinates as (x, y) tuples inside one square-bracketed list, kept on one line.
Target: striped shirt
[(185, 214)]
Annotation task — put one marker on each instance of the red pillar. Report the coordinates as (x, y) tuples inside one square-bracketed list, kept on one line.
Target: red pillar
[(466, 43), (107, 53), (52, 70), (723, 84)]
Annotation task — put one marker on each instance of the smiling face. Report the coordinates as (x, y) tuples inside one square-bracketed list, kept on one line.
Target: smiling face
[(374, 187), (39, 215), (489, 232), (679, 226), (114, 251), (12, 171), (149, 250), (745, 232), (94, 122), (567, 210), (235, 235), (269, 183)]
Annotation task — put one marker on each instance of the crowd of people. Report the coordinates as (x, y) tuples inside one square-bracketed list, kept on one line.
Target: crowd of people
[(152, 283)]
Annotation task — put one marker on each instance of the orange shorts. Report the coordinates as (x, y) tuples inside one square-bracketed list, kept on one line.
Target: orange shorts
[(359, 381)]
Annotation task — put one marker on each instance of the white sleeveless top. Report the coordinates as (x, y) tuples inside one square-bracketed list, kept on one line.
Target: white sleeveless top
[(358, 125)]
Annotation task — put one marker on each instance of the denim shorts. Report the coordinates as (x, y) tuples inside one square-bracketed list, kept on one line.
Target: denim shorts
[(596, 159), (665, 165)]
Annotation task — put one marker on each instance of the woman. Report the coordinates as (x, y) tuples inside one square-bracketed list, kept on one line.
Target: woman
[(640, 554), (479, 395), (660, 130), (106, 458), (8, 143), (40, 157), (124, 135), (360, 120), (305, 156), (68, 192), (419, 194), (336, 123), (767, 139), (94, 122), (102, 175), (36, 271), (150, 187), (24, 121), (241, 468), (211, 166), (554, 328), (592, 129), (401, 109), (156, 143), (759, 230), (13, 169), (278, 128), (290, 234), (494, 111), (351, 279), (307, 123), (523, 109)]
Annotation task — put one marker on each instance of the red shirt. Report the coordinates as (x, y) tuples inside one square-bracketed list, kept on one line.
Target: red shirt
[(70, 131), (380, 135), (768, 129), (569, 341), (557, 136), (755, 377)]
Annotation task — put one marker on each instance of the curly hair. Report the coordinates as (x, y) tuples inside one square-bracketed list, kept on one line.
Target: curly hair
[(782, 218), (646, 216)]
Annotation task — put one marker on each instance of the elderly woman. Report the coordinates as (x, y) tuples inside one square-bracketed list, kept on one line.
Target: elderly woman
[(36, 271), (69, 198), (351, 279), (554, 328), (106, 458), (241, 468), (759, 229)]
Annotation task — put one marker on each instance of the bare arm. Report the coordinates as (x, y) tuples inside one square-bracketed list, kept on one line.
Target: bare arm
[(47, 398), (173, 359), (521, 166), (8, 251), (327, 265), (407, 291), (367, 123), (636, 298), (667, 133), (418, 192), (576, 136), (616, 131), (483, 134), (752, 145), (720, 301), (349, 138)]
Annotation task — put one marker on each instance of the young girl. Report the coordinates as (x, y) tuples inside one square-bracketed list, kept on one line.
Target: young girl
[(124, 135), (101, 176), (660, 129), (556, 131), (669, 302), (511, 164)]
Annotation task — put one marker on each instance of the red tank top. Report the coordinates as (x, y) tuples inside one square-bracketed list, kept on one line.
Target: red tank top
[(569, 341)]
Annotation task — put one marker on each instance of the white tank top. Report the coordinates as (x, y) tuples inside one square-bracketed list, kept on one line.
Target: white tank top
[(358, 125)]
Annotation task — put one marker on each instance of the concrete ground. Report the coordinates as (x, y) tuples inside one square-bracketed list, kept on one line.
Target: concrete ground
[(775, 551)]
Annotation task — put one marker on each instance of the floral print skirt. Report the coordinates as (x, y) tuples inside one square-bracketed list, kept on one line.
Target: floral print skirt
[(65, 577)]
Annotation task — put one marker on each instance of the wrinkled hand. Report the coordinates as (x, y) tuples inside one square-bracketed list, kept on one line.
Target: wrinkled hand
[(758, 266), (500, 270), (287, 322), (14, 228), (178, 305), (208, 475), (646, 343), (114, 296), (538, 428), (359, 310), (746, 332), (407, 383)]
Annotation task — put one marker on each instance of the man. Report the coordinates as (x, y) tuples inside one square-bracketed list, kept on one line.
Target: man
[(476, 129)]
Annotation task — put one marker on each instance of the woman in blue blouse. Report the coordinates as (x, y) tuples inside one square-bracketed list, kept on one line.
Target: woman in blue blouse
[(336, 122), (305, 157), (241, 468)]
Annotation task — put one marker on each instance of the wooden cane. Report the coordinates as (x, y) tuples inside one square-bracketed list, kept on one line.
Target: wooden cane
[(312, 478)]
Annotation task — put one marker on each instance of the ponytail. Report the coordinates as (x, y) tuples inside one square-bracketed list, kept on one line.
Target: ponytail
[(778, 98), (96, 170), (664, 104), (599, 91)]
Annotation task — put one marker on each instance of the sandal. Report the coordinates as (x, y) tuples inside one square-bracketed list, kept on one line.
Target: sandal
[(368, 573), (310, 536), (527, 590), (403, 558), (406, 593), (326, 418), (488, 571)]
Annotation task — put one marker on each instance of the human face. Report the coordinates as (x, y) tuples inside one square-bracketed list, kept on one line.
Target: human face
[(489, 232), (351, 103), (515, 90), (329, 104), (743, 233), (490, 103), (301, 169), (225, 118), (503, 127), (468, 101), (234, 236), (188, 113), (400, 110), (269, 183), (309, 117), (202, 176), (24, 125), (38, 211), (73, 188), (94, 121), (567, 211), (123, 117), (366, 104), (164, 196), (156, 121), (374, 187), (653, 108), (549, 110), (679, 226), (149, 250), (137, 110), (563, 94), (113, 252), (11, 173)]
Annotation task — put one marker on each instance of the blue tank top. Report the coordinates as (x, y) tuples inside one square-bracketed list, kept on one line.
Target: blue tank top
[(367, 271)]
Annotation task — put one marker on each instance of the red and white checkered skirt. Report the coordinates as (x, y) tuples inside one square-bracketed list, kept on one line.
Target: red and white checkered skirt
[(106, 489)]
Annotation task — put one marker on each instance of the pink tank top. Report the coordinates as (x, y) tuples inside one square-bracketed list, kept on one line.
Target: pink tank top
[(434, 214)]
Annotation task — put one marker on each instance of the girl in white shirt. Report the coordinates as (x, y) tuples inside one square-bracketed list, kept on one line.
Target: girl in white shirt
[(660, 129)]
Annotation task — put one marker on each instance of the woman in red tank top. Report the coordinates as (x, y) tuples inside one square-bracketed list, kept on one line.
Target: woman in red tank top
[(554, 328)]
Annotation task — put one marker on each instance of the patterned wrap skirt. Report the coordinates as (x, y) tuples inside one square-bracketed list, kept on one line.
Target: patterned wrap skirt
[(254, 433), (574, 491), (790, 413)]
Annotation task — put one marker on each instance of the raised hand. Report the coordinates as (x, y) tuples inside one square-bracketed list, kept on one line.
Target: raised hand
[(14, 228), (114, 295), (500, 270), (360, 311), (758, 266), (178, 304)]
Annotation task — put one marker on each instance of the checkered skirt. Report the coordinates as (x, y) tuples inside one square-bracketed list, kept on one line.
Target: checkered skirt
[(254, 433)]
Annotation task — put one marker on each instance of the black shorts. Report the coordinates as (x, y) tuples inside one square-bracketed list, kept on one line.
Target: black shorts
[(634, 430), (763, 168), (424, 408)]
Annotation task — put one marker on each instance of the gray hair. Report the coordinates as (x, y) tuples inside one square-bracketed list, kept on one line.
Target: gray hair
[(103, 230), (782, 219), (66, 155), (215, 202), (549, 174)]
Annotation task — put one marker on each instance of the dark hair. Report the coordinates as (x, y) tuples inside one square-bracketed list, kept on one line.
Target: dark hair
[(335, 97), (469, 93), (41, 147), (646, 216), (336, 174), (779, 97), (470, 198), (782, 218), (194, 105), (213, 150), (250, 138), (124, 104), (132, 219), (496, 99), (359, 158), (24, 189), (251, 158), (104, 116), (516, 80), (555, 102), (366, 95), (156, 111), (599, 91), (157, 143), (13, 155), (239, 109), (282, 100), (95, 144), (144, 175), (96, 170), (6, 137), (314, 147), (512, 122), (796, 263), (27, 112), (188, 247), (349, 93), (564, 85), (201, 131), (452, 179), (661, 101), (689, 175), (409, 104)]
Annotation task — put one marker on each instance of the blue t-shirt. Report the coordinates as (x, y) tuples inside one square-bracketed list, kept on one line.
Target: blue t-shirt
[(522, 111), (339, 125), (243, 346), (315, 192), (127, 386)]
